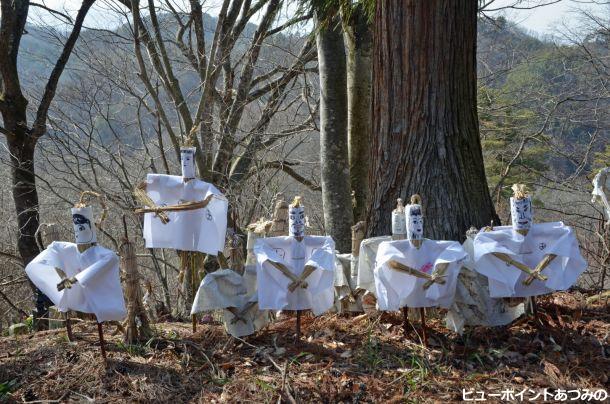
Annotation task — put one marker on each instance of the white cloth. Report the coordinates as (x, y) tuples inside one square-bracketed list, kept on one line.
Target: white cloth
[(347, 298), (601, 189), (226, 288), (472, 304), (202, 230), (273, 293), (366, 263), (543, 238), (396, 289), (98, 287)]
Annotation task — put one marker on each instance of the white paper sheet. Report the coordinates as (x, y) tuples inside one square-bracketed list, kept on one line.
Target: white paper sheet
[(366, 263), (543, 238), (347, 298), (202, 230), (397, 289), (601, 190), (273, 293), (226, 288), (472, 304), (98, 287)]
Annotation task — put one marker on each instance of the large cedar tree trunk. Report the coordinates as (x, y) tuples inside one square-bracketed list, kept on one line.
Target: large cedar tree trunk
[(426, 133), (334, 162), (359, 43)]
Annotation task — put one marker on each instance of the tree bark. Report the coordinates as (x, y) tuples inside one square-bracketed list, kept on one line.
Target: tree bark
[(334, 162), (25, 196), (358, 37), (425, 118)]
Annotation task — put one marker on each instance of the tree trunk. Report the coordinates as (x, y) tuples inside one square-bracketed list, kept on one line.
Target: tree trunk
[(25, 196), (358, 37), (334, 162), (425, 118)]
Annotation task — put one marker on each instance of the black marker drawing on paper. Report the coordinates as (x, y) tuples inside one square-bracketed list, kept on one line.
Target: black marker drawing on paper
[(81, 221)]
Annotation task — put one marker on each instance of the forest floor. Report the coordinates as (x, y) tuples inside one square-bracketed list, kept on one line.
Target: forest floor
[(340, 359)]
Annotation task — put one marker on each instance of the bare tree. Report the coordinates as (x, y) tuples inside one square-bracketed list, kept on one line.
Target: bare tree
[(22, 137)]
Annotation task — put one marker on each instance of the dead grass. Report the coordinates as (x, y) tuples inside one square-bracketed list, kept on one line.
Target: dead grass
[(358, 359)]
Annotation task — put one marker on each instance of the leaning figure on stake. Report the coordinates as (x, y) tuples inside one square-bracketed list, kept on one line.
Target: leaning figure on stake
[(472, 305), (234, 293), (81, 276)]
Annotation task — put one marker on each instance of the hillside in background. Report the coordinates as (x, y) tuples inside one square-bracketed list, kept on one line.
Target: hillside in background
[(519, 75)]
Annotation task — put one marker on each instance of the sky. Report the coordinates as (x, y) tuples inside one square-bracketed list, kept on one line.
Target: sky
[(542, 21)]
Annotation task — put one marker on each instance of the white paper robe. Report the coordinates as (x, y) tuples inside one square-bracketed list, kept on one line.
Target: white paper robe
[(396, 289), (226, 288), (202, 230), (98, 287), (273, 293), (543, 238)]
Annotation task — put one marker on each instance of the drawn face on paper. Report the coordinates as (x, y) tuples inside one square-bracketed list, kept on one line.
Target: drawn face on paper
[(82, 222), (415, 222), (521, 213), (187, 158), (296, 221)]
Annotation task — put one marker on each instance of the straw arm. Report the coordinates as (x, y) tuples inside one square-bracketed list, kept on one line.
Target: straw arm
[(176, 208), (437, 275), (66, 283), (141, 196), (406, 269), (546, 261), (282, 268), (301, 281), (506, 258)]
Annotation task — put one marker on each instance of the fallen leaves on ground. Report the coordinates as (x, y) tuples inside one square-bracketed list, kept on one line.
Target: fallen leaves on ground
[(340, 359)]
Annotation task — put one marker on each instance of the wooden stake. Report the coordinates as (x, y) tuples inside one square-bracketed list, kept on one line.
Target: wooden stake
[(298, 333), (406, 325), (535, 309), (69, 327), (193, 290), (100, 332), (424, 332)]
